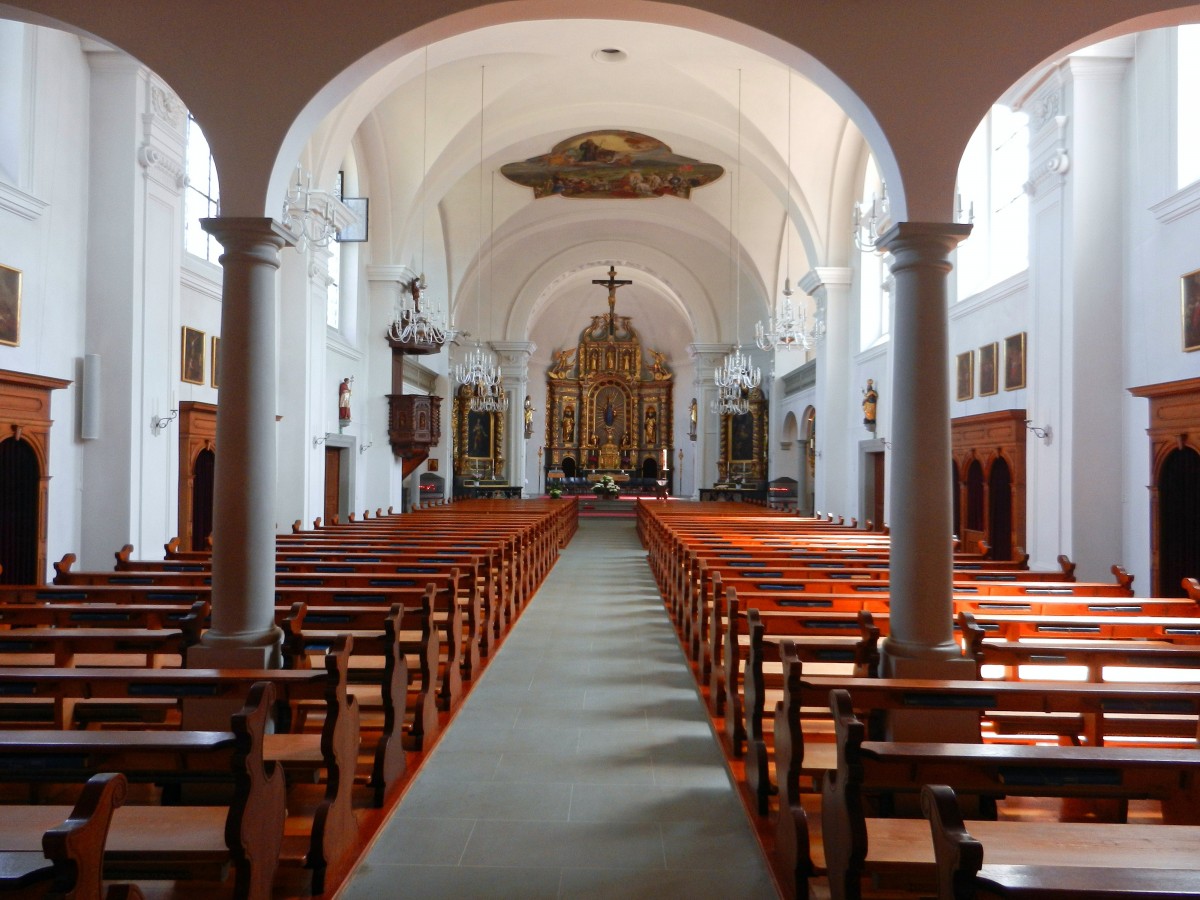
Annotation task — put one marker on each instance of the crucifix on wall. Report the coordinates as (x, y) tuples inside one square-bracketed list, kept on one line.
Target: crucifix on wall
[(612, 283)]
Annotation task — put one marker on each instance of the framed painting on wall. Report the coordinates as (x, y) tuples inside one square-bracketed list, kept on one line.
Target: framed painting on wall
[(192, 356), (1190, 310), (988, 382), (214, 363), (1014, 362), (966, 376), (10, 306)]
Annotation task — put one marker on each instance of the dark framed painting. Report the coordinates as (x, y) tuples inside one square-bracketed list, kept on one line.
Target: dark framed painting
[(989, 382), (1014, 362), (479, 435), (215, 363), (1190, 310), (965, 376), (10, 306), (192, 356)]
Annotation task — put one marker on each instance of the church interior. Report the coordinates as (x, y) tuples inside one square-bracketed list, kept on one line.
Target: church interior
[(924, 277)]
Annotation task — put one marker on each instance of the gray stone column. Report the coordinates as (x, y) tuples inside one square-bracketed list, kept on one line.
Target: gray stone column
[(513, 357), (243, 581), (922, 636)]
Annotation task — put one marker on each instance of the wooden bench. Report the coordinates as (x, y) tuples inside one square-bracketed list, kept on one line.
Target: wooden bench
[(162, 841), (962, 873)]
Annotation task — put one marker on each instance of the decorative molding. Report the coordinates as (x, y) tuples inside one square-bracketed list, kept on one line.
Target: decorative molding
[(800, 378), (1043, 108), (164, 168), (1182, 203), (419, 376), (167, 106), (20, 203), (1009, 287)]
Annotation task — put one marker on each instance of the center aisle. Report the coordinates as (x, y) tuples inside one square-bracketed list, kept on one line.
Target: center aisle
[(582, 764)]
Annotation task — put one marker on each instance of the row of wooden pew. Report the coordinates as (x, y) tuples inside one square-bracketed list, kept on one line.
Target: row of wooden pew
[(387, 623), (787, 657)]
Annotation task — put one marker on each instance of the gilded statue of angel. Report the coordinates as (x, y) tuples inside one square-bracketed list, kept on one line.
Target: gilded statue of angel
[(563, 362), (659, 366)]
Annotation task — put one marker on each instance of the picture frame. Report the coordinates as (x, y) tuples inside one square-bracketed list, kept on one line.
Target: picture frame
[(989, 382), (965, 380), (10, 306), (192, 356), (1189, 309), (214, 362), (1014, 362)]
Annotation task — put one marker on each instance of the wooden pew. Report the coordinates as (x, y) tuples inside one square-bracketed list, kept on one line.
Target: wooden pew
[(962, 873), (160, 841), (70, 862)]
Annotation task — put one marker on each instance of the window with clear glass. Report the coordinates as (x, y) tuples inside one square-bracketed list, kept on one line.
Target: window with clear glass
[(1187, 98), (874, 301), (991, 194), (202, 197)]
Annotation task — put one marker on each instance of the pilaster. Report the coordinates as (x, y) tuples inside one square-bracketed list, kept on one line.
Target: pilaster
[(706, 359), (513, 357), (830, 287)]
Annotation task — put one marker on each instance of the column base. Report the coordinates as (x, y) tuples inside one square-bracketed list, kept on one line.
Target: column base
[(243, 651), (957, 726)]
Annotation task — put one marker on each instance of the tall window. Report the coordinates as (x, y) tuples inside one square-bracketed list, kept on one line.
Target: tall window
[(991, 185), (202, 199), (1187, 112), (874, 298)]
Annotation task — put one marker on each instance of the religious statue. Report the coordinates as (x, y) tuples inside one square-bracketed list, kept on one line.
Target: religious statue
[(870, 399), (562, 364), (693, 420), (650, 427), (528, 417), (344, 401), (568, 424), (659, 367)]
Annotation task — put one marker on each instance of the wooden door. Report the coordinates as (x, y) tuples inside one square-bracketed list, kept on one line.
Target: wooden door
[(999, 531), (333, 482), (877, 505), (1179, 521), (19, 512), (202, 499)]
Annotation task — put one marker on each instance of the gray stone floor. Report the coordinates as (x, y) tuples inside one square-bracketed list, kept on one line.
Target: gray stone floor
[(581, 765)]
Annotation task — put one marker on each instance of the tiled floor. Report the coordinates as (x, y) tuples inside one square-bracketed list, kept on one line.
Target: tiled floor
[(581, 765)]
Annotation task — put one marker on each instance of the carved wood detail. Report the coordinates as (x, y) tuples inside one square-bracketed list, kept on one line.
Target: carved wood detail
[(988, 437)]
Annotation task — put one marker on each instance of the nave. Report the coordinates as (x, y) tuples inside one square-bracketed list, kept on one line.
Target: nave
[(583, 763)]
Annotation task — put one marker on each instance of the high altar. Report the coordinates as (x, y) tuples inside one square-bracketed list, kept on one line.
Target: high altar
[(608, 409)]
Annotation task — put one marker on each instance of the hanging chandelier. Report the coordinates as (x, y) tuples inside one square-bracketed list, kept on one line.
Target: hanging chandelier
[(736, 377), (311, 215), (871, 221), (417, 321), (479, 371), (789, 330)]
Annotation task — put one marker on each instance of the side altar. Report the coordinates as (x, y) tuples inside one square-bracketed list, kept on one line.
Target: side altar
[(609, 409)]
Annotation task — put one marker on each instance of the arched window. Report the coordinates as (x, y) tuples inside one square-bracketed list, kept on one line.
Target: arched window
[(874, 298), (1187, 105), (991, 192), (202, 197)]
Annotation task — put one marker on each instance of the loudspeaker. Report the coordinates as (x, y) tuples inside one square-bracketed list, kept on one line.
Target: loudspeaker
[(89, 399)]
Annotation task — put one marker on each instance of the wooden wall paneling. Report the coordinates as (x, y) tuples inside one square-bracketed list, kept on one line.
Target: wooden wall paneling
[(25, 415), (197, 432), (1174, 424), (988, 437)]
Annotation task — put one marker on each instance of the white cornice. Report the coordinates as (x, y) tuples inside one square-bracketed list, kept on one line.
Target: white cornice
[(20, 203), (1181, 203)]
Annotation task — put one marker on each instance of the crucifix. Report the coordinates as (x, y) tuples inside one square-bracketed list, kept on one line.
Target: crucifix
[(612, 283)]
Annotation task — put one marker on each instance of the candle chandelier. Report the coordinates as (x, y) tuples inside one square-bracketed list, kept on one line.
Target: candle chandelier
[(736, 377), (871, 221), (479, 370), (420, 324), (789, 330), (312, 215)]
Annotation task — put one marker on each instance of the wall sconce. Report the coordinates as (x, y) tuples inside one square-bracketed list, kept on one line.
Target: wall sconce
[(318, 441), (158, 424), (1041, 433), (363, 448)]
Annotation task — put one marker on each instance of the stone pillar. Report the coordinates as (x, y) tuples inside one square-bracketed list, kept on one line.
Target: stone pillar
[(922, 635), (243, 580), (513, 357), (706, 359), (830, 287)]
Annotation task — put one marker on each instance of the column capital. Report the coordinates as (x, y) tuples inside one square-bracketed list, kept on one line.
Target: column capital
[(709, 355), (822, 276), (913, 243), (247, 234)]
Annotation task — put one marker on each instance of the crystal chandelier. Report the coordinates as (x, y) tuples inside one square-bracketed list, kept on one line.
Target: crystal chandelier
[(479, 370), (417, 320), (789, 330), (736, 377), (311, 215), (871, 221)]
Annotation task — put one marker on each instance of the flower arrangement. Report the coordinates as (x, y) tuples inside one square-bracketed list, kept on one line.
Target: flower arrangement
[(555, 493), (606, 487)]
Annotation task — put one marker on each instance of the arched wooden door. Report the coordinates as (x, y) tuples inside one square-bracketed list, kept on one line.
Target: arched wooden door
[(1178, 521), (202, 498), (1000, 509), (20, 512), (956, 498)]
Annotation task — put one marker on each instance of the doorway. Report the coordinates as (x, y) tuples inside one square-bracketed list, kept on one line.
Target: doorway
[(1000, 512), (20, 481), (202, 499), (1178, 521), (333, 485)]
